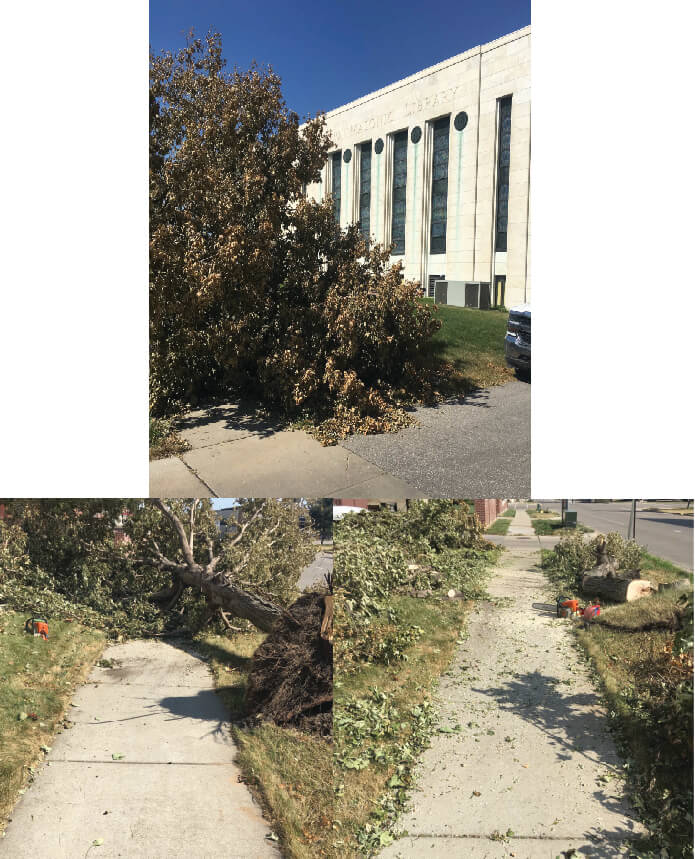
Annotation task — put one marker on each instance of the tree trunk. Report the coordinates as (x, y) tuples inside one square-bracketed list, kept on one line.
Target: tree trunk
[(234, 600), (617, 590)]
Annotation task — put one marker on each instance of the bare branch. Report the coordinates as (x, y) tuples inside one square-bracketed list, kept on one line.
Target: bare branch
[(178, 526), (242, 528), (192, 523)]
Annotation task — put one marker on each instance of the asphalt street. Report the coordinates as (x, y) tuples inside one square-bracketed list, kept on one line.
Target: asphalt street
[(479, 447), (665, 535)]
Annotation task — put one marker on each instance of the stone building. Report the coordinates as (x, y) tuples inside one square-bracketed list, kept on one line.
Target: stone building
[(439, 165)]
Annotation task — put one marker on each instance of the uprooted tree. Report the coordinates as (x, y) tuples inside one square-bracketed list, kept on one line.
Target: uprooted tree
[(254, 289), (138, 567), (291, 680), (218, 583)]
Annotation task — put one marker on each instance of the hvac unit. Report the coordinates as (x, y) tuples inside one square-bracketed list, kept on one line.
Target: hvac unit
[(463, 293), (478, 294), (430, 283), (440, 291)]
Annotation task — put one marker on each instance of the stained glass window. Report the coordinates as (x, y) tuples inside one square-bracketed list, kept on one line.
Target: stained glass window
[(365, 186), (440, 182), (336, 186), (400, 176), (504, 136)]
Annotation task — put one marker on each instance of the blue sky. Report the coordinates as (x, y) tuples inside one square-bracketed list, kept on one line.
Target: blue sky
[(328, 54), (221, 503)]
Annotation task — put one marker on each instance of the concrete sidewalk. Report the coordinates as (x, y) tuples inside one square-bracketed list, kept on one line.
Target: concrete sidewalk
[(232, 455), (521, 525), (477, 447), (533, 770), (175, 792)]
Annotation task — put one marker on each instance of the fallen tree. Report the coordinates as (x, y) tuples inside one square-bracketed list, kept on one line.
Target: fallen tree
[(291, 678), (603, 580), (218, 586)]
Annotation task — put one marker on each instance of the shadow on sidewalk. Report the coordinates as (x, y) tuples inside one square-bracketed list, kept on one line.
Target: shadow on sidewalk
[(235, 416), (572, 722)]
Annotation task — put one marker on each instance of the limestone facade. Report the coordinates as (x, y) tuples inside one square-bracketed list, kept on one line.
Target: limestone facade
[(470, 90)]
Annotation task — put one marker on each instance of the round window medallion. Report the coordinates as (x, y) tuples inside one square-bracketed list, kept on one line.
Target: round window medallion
[(379, 146), (461, 120), (416, 134), (347, 155)]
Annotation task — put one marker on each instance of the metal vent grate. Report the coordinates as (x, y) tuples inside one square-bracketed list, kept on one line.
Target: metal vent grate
[(472, 294)]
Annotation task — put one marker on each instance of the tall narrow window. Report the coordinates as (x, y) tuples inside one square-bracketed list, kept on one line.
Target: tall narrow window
[(503, 148), (440, 182), (336, 185), (400, 176), (365, 186)]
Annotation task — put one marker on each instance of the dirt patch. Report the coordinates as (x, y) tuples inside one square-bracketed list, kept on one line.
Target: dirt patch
[(291, 678)]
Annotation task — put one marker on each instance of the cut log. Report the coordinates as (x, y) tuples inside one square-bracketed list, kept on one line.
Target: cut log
[(614, 589)]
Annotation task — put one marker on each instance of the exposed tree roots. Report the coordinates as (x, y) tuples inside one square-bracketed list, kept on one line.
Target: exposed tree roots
[(291, 680)]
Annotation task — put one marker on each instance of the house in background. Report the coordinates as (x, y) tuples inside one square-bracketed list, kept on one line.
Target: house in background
[(486, 509), (227, 519)]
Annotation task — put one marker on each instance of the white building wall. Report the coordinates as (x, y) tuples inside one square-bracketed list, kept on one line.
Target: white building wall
[(471, 82)]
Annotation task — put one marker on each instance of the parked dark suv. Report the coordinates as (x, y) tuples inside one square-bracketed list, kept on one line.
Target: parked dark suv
[(517, 342)]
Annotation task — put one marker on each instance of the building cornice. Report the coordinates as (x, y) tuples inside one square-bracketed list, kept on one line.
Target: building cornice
[(431, 70)]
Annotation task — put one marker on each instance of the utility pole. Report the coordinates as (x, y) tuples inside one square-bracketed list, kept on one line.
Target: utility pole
[(632, 524)]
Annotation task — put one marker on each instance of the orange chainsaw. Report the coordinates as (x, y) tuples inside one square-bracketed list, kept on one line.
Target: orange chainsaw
[(37, 626)]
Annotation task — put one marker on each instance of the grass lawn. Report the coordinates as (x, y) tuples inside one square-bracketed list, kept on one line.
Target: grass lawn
[(643, 683), (509, 513), (473, 341), (289, 772), (37, 680), (499, 526), (553, 527), (660, 571), (382, 718)]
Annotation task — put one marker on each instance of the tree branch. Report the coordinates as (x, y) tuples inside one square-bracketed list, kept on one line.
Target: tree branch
[(178, 527)]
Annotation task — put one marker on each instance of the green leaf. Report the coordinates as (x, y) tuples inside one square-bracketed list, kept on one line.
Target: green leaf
[(117, 757), (97, 842)]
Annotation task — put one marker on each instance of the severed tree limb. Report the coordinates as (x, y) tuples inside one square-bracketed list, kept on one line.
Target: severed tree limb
[(219, 591)]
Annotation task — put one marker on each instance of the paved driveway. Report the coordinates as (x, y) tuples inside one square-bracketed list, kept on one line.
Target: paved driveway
[(476, 447), (479, 447)]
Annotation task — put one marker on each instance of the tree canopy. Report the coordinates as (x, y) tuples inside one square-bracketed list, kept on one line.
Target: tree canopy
[(100, 560), (255, 290)]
